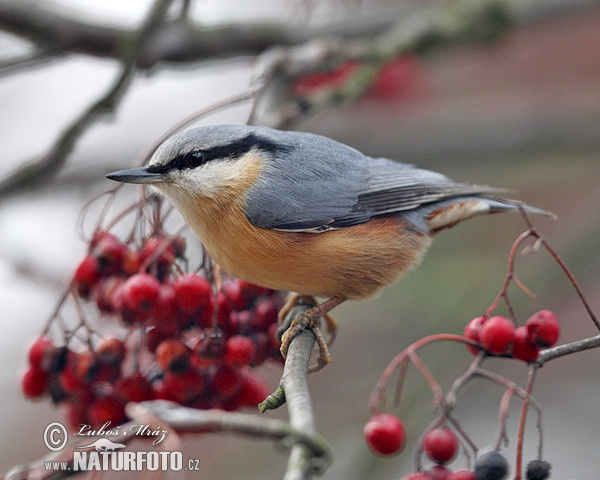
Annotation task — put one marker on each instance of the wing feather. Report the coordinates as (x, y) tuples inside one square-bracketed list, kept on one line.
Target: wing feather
[(320, 184)]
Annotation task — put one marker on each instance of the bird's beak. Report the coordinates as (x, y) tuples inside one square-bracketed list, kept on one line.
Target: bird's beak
[(136, 175)]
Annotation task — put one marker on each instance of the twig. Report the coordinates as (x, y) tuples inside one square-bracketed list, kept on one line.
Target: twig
[(524, 408), (186, 420), (567, 349), (34, 171), (179, 41)]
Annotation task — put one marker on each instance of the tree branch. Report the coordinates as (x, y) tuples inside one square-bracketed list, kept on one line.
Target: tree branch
[(180, 40), (30, 173)]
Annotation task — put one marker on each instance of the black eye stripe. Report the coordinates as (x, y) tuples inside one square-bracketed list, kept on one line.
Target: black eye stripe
[(198, 157)]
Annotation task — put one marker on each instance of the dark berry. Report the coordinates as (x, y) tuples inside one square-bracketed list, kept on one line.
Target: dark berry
[(538, 470), (491, 465)]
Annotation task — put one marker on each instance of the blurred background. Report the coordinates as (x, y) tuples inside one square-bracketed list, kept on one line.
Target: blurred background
[(521, 112)]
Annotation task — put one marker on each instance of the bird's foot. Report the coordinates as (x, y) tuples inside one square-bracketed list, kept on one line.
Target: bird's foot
[(309, 320)]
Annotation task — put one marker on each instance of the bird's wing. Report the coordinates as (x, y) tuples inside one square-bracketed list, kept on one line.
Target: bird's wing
[(322, 184)]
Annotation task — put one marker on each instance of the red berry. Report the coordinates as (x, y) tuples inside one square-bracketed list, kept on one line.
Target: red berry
[(522, 348), (69, 378), (34, 382), (251, 290), (165, 308), (77, 414), (239, 351), (86, 366), (399, 78), (497, 333), (159, 255), (134, 388), (385, 434), (317, 81), (224, 309), (105, 293), (86, 276), (210, 349), (262, 350), (110, 253), (192, 293), (111, 351), (132, 262), (440, 445), (107, 409), (233, 291), (438, 472), (173, 355), (186, 386), (416, 476), (226, 381), (140, 292), (41, 353), (543, 328), (462, 475), (265, 314), (473, 332), (254, 389)]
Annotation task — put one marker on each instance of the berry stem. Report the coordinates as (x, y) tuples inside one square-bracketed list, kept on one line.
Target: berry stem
[(533, 231), (521, 435)]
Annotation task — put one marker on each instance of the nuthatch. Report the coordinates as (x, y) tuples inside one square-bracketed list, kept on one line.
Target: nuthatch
[(300, 212)]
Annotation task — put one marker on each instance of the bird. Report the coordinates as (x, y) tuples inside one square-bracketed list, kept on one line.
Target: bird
[(300, 212)]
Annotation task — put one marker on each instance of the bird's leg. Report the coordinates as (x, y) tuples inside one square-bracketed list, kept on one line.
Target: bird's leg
[(310, 319)]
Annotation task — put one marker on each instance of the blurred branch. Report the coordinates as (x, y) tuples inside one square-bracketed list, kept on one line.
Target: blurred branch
[(186, 419), (179, 420), (180, 40), (33, 171), (285, 54), (420, 33)]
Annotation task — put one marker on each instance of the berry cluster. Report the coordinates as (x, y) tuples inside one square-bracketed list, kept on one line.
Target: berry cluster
[(398, 78), (184, 342), (499, 335), (385, 434)]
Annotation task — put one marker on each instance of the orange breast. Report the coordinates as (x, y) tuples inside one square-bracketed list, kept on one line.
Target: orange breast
[(352, 263)]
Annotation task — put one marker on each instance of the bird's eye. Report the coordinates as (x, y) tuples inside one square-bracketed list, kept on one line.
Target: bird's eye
[(194, 159)]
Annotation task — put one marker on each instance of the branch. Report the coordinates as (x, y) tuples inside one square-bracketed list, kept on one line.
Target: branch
[(567, 349), (180, 40), (179, 420), (293, 389), (425, 30), (186, 420), (33, 171)]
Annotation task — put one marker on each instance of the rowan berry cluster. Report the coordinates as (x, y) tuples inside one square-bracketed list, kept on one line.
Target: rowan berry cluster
[(182, 340), (385, 433), (499, 335)]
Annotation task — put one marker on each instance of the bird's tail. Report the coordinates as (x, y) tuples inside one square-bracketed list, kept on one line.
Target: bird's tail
[(446, 214)]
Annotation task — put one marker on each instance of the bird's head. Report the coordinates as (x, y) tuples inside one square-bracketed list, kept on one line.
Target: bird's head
[(215, 161)]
